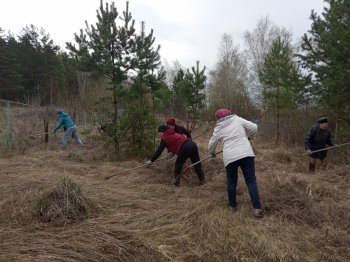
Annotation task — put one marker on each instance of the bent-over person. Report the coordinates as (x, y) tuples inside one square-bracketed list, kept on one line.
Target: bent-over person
[(183, 147)]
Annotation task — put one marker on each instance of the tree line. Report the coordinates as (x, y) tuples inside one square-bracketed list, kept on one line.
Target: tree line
[(115, 68)]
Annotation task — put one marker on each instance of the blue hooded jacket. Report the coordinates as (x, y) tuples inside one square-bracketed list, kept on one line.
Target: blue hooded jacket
[(64, 121)]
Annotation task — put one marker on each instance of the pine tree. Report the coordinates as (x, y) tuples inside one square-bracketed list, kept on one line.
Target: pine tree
[(326, 52), (149, 77), (282, 78), (10, 78), (108, 50), (194, 93)]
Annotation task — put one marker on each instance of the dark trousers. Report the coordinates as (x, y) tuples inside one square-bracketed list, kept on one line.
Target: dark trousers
[(248, 168), (189, 150)]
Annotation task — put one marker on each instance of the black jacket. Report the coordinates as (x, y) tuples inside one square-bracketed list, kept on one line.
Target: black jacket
[(317, 138), (182, 131)]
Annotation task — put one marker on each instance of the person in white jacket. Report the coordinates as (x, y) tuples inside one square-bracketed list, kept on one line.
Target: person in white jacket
[(234, 133)]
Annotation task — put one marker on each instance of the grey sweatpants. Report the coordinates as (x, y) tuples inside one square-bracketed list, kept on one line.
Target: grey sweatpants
[(71, 132)]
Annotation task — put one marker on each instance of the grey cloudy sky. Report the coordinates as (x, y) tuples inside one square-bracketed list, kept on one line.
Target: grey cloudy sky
[(187, 30)]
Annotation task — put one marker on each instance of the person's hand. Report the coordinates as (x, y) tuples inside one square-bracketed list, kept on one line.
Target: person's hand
[(213, 155), (309, 152), (335, 145), (149, 164), (170, 155)]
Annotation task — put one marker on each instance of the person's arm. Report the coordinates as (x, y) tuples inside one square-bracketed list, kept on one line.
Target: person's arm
[(187, 133), (308, 138), (249, 127), (213, 142), (58, 125), (159, 151), (330, 139)]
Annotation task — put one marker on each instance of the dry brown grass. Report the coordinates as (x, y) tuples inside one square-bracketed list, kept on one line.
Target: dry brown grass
[(143, 217), (65, 203)]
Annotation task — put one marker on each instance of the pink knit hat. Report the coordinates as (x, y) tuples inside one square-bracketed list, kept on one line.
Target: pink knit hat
[(222, 112)]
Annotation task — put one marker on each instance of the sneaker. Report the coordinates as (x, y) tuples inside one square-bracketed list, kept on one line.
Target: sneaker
[(258, 213)]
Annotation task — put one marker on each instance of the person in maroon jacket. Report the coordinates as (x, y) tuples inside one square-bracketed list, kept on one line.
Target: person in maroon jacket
[(177, 128), (183, 147)]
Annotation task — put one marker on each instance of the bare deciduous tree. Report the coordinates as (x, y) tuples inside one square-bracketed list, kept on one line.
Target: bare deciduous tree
[(227, 82), (259, 43)]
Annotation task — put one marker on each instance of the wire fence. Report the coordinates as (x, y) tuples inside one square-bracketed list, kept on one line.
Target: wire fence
[(22, 125)]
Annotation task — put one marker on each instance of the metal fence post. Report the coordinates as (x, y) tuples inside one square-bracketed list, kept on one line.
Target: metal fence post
[(9, 129)]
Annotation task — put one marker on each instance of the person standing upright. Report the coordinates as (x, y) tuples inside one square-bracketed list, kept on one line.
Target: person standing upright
[(318, 137), (234, 132)]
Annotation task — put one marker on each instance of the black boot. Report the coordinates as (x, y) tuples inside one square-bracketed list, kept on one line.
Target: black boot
[(202, 181), (177, 180)]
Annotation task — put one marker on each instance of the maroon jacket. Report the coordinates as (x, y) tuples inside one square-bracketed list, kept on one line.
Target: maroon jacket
[(170, 140)]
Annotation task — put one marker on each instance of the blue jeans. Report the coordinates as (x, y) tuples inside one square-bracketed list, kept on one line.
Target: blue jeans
[(248, 168), (71, 132)]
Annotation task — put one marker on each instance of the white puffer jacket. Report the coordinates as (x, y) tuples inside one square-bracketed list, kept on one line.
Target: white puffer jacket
[(233, 132)]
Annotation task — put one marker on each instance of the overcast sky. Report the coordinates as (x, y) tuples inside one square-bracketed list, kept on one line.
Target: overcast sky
[(187, 30)]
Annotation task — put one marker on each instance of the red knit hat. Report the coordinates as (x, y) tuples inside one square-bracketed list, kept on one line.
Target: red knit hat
[(170, 122), (220, 113)]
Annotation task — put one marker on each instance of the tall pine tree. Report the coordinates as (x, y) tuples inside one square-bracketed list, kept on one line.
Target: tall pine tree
[(326, 52), (282, 78)]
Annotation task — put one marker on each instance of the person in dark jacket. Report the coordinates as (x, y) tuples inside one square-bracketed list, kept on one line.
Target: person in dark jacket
[(70, 129), (177, 128), (317, 138), (183, 147)]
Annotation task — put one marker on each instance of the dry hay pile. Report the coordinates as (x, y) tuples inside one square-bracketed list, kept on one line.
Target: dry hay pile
[(143, 217), (65, 203)]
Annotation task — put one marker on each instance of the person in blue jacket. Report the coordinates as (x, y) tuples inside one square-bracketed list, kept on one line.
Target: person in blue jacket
[(70, 129)]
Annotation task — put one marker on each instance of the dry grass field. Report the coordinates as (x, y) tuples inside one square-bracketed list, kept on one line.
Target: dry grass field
[(141, 216)]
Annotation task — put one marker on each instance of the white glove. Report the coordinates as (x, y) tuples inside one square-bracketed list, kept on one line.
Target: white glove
[(309, 152), (149, 164), (170, 155)]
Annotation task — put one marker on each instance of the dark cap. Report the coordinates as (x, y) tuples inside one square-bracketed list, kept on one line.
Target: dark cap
[(58, 111), (322, 120), (162, 128)]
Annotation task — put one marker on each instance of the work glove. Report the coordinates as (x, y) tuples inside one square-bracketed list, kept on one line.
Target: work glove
[(213, 155), (149, 164), (170, 155), (309, 152)]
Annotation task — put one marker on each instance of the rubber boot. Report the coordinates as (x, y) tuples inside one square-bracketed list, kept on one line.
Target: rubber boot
[(312, 167)]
